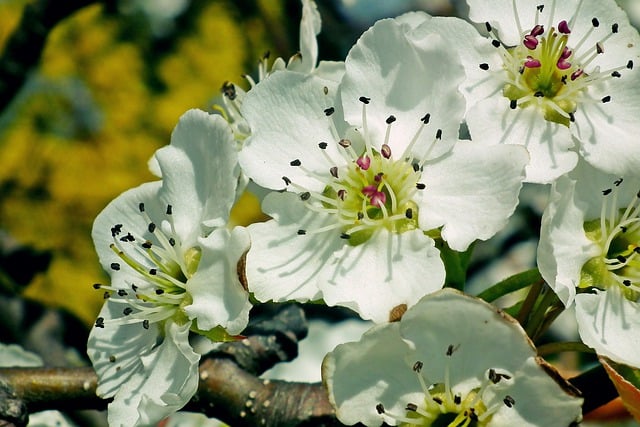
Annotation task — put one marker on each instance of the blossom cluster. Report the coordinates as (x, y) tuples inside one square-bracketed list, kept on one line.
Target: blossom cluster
[(379, 174)]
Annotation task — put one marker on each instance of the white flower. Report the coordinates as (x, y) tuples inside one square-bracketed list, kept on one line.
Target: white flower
[(305, 62), (173, 267), (555, 76), (373, 172), (589, 253), (453, 360)]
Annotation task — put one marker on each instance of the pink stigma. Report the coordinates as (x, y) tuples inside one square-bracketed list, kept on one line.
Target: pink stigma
[(376, 197), (563, 27), (530, 42), (364, 162), (531, 62)]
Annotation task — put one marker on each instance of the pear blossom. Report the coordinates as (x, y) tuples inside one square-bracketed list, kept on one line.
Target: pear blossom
[(555, 76), (372, 172), (588, 253), (173, 267), (305, 61), (452, 360)]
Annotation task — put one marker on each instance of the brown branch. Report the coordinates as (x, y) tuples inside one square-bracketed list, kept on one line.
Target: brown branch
[(24, 48), (229, 388)]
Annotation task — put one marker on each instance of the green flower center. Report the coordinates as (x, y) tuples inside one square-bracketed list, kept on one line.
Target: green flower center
[(164, 268), (551, 69), (617, 233), (441, 407), (368, 189)]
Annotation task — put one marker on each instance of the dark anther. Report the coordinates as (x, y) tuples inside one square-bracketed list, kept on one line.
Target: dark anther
[(151, 227), (457, 399), (302, 232), (380, 408), (100, 322), (513, 104), (172, 241), (106, 295), (599, 48), (286, 180), (450, 350), (385, 150), (360, 215), (416, 167), (128, 238), (97, 286), (115, 266), (572, 117), (616, 74), (323, 145), (606, 192), (147, 245), (112, 359), (624, 230), (116, 229), (439, 134), (621, 258), (626, 282), (425, 119), (344, 143), (295, 162), (495, 43), (606, 99), (345, 236), (141, 207), (145, 324), (159, 291), (122, 293), (595, 22), (509, 401), (417, 367), (305, 196), (636, 249), (334, 171), (540, 8), (614, 28), (169, 210), (437, 400), (325, 90), (390, 119), (484, 66), (411, 407), (408, 213), (488, 27), (153, 271), (134, 288), (618, 181), (420, 186), (538, 94), (329, 111), (364, 99), (127, 311), (563, 79), (630, 65), (229, 90)]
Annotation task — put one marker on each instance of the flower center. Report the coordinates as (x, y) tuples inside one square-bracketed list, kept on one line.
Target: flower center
[(617, 232), (551, 70), (442, 407), (366, 190), (163, 267)]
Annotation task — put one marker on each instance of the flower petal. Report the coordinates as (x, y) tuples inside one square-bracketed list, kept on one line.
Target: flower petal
[(282, 265), (288, 120), (472, 191), (200, 172), (218, 296), (407, 79), (609, 323), (360, 375), (386, 271)]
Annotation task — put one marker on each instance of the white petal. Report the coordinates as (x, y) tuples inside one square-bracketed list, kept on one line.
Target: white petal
[(200, 171), (360, 375), (610, 324), (539, 400), (550, 144), (386, 271), (124, 210), (310, 26), (405, 78), (13, 355), (564, 248), (472, 191), (501, 15), (282, 265), (218, 296), (478, 332), (286, 113)]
